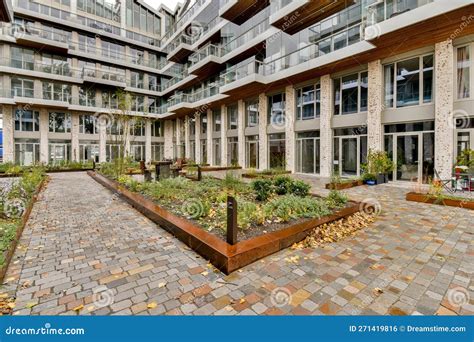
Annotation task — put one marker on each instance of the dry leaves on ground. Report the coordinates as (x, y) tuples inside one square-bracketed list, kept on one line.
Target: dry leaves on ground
[(7, 305), (336, 231)]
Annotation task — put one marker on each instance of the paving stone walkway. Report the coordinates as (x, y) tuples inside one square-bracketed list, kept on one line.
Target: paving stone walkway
[(84, 251)]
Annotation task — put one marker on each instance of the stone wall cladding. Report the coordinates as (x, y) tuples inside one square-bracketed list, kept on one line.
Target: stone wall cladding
[(290, 137), (262, 131), (325, 128), (375, 106), (444, 99)]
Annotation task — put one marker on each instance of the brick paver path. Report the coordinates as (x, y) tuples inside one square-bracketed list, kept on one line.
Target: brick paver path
[(86, 252)]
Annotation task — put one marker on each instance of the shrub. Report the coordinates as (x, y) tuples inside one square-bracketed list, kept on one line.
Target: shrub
[(282, 184), (14, 170), (288, 207), (336, 199), (263, 189), (299, 188)]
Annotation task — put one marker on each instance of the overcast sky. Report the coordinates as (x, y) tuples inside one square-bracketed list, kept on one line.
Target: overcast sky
[(169, 3)]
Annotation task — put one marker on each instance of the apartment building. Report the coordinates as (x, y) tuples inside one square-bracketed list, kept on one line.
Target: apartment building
[(309, 86)]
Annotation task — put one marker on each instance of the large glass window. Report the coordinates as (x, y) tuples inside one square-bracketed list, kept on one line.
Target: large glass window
[(308, 152), (87, 125), (27, 151), (26, 120), (351, 93), (232, 151), (88, 151), (59, 122), (204, 124), (216, 149), (216, 116), (308, 102), (22, 87), (276, 110), (410, 78), (232, 117), (87, 97), (276, 151), (56, 91), (136, 79), (22, 58), (251, 113), (463, 72), (252, 152), (156, 129), (137, 151), (157, 151), (59, 151)]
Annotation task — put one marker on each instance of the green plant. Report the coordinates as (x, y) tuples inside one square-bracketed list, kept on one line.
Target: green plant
[(466, 158), (368, 177), (336, 199), (282, 184), (14, 170), (336, 178), (377, 162), (289, 207), (299, 188), (263, 189), (7, 235)]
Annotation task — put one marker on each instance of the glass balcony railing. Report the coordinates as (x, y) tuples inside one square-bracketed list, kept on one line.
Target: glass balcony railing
[(181, 39), (243, 69), (206, 51), (107, 75), (61, 69), (57, 96), (19, 31), (23, 92), (378, 11), (196, 96), (183, 19), (247, 36)]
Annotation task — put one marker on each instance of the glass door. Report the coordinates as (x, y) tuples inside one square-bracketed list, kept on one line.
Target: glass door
[(252, 154), (408, 157), (349, 156), (58, 153)]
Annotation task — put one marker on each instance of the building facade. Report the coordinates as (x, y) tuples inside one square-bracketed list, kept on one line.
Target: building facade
[(309, 86)]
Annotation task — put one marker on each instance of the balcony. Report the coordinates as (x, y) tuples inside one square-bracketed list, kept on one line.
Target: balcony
[(40, 38), (287, 14), (239, 12), (57, 71), (103, 76), (206, 61), (242, 77), (185, 103), (179, 49)]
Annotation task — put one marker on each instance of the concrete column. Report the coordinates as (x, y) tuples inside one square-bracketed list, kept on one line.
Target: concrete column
[(198, 138), (444, 111), (148, 157), (168, 132), (38, 89), (187, 144), (262, 131), (8, 131), (75, 136), (44, 128), (210, 145), (224, 160), (290, 137), (241, 131), (326, 133), (102, 143), (375, 106)]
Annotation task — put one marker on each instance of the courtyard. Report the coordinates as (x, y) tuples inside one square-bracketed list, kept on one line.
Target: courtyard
[(85, 251)]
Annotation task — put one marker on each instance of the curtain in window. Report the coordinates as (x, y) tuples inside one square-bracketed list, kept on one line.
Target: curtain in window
[(463, 60)]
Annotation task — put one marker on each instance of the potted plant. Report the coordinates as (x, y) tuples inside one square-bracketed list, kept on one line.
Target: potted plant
[(378, 165), (369, 179)]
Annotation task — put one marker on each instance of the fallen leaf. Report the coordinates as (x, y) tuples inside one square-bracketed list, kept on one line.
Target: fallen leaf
[(78, 308), (377, 291), (30, 305), (242, 301), (163, 284), (152, 305)]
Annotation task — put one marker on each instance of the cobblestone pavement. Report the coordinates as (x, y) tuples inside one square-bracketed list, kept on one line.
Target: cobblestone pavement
[(86, 252)]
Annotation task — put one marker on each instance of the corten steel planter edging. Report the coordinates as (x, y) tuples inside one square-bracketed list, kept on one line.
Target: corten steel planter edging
[(423, 198), (9, 175), (224, 256), (8, 254), (344, 185)]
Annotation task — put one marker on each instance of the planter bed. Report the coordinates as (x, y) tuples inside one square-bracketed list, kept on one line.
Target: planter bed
[(8, 175), (265, 174), (8, 253), (344, 185), (224, 256), (459, 202), (219, 168)]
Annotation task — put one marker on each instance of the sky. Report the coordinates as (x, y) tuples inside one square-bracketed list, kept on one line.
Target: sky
[(171, 4)]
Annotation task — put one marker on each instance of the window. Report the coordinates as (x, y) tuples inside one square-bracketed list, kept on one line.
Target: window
[(22, 58), (251, 113), (409, 82), (56, 91), (138, 102), (89, 151), (27, 151), (232, 151), (216, 158), (204, 124), (192, 126), (351, 93), (157, 151), (216, 115), (137, 151), (308, 102), (59, 122), (87, 125), (276, 110), (22, 87), (232, 117), (137, 128), (156, 129), (26, 120), (87, 44), (153, 83), (109, 99), (463, 72), (153, 105), (136, 79), (87, 97), (137, 56), (276, 151)]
